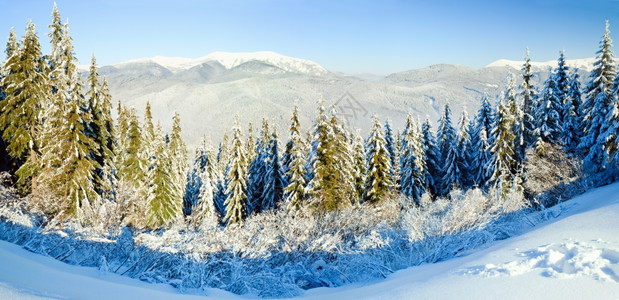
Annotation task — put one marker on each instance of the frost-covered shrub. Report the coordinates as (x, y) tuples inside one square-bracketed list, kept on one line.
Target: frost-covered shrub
[(551, 175), (279, 253)]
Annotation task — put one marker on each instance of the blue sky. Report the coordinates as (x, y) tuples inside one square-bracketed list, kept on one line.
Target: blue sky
[(378, 37)]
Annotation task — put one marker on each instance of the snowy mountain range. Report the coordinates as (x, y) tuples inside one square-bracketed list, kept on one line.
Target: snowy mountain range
[(209, 91)]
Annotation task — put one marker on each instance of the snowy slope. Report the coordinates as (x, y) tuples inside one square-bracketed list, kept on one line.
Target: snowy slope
[(573, 256)]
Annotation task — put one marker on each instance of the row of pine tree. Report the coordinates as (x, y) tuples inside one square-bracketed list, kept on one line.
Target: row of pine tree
[(73, 160)]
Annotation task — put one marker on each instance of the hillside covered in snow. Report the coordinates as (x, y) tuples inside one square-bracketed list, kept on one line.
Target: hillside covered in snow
[(572, 255)]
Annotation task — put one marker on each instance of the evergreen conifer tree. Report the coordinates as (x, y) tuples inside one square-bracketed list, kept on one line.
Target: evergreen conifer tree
[(572, 124), (164, 205), (506, 176), (273, 192), (294, 162), (236, 201), (256, 177), (433, 174), (529, 104), (378, 180), (597, 106), (447, 144), (548, 115), (132, 168), (26, 90), (391, 147), (412, 161), (100, 107), (12, 46), (178, 156), (360, 167), (481, 144), (329, 184), (465, 152)]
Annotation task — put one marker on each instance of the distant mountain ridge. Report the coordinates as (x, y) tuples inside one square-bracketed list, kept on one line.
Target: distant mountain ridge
[(232, 60), (582, 64), (209, 91)]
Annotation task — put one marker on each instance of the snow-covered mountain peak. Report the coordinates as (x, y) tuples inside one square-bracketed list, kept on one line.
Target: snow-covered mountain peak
[(231, 60), (583, 64)]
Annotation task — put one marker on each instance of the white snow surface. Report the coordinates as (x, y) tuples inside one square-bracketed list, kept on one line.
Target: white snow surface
[(574, 255), (230, 60), (585, 64)]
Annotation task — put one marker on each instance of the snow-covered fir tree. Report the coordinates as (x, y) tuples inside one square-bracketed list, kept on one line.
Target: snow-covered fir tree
[(391, 147), (597, 105), (481, 144), (360, 167), (164, 205), (26, 90), (294, 163), (548, 115), (378, 180), (100, 107), (329, 186), (447, 144), (236, 201), (412, 161), (256, 176), (294, 137), (221, 186), (506, 176), (433, 174), (273, 191), (529, 104), (131, 167), (179, 159), (562, 80), (572, 122), (344, 158), (200, 173), (69, 148), (465, 151)]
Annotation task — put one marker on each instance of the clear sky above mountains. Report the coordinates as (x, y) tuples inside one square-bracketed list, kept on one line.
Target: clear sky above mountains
[(350, 36)]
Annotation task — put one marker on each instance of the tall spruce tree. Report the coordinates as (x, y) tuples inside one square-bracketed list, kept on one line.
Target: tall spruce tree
[(447, 144), (481, 143), (273, 192), (529, 104), (506, 176), (294, 163), (433, 173), (12, 47), (378, 180), (179, 159), (26, 89), (100, 108), (391, 147), (236, 201), (360, 168), (256, 177), (465, 151), (412, 161), (572, 123), (132, 167), (597, 105), (344, 159), (164, 205), (326, 187), (548, 115), (70, 147)]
